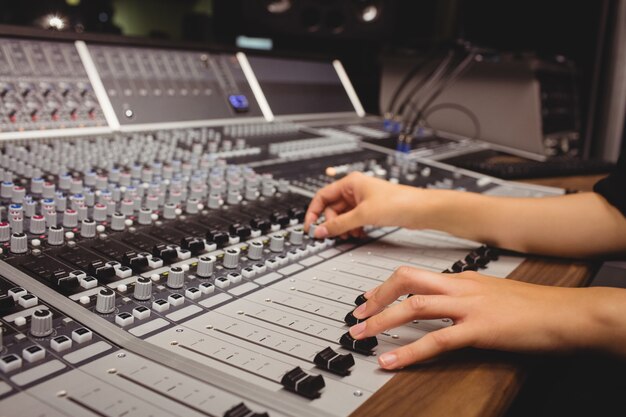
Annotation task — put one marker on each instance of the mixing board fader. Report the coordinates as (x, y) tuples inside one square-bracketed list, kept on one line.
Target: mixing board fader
[(165, 271)]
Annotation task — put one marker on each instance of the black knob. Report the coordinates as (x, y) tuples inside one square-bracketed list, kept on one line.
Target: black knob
[(101, 271), (241, 410), (360, 299), (363, 346), (134, 261), (334, 362), (351, 320), (164, 252), (301, 383), (193, 244)]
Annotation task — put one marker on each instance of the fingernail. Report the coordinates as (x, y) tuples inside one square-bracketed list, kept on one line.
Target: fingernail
[(321, 232), (358, 312), (357, 329), (387, 360), (368, 294)]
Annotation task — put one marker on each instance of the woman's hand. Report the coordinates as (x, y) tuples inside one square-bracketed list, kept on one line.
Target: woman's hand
[(492, 313), (358, 200)]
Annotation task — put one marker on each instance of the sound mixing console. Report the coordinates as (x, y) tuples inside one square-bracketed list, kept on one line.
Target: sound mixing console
[(153, 259)]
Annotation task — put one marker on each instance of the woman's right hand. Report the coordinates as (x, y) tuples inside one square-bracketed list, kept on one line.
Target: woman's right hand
[(358, 200)]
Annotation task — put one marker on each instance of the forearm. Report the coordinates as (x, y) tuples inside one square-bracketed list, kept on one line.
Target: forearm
[(577, 225)]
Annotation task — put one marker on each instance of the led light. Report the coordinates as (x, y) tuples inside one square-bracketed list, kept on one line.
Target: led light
[(370, 13), (56, 22), (278, 6)]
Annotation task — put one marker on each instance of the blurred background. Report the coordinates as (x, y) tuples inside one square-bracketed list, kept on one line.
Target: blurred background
[(367, 34)]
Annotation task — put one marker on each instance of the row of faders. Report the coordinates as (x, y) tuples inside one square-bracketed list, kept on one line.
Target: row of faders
[(52, 365)]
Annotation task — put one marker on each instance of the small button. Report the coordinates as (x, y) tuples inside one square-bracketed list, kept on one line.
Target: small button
[(259, 268), (206, 288), (34, 353), (234, 277), (10, 363), (82, 335), (271, 263), (89, 282), (123, 272), (222, 282), (248, 272), (176, 300), (141, 312), (124, 319), (160, 305), (60, 343), (28, 301), (193, 293), (17, 292)]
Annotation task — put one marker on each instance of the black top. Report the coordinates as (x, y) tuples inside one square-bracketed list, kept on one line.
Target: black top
[(613, 187)]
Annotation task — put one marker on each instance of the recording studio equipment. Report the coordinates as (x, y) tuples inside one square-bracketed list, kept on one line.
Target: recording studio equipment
[(544, 121), (153, 259)]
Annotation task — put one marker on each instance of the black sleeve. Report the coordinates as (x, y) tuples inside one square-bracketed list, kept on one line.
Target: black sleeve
[(613, 187)]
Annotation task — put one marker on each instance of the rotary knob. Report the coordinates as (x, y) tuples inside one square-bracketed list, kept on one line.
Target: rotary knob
[(296, 236), (100, 212), (215, 200), (19, 243), (127, 207), (169, 211), (88, 228), (105, 301), (70, 218), (41, 323), (37, 225), (143, 288), (145, 216), (255, 250), (267, 188), (5, 231), (55, 235), (118, 222), (176, 277), (192, 205), (252, 193), (277, 243), (231, 258), (205, 266), (233, 198)]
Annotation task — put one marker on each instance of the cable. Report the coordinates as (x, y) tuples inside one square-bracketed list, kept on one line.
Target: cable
[(405, 81), (470, 114), (452, 77), (426, 81)]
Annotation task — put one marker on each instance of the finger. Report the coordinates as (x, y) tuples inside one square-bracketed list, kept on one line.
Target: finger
[(341, 224), (404, 280), (327, 195), (429, 346), (423, 307), (330, 214)]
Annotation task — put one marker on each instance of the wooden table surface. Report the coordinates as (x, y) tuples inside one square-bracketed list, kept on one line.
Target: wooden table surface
[(477, 383)]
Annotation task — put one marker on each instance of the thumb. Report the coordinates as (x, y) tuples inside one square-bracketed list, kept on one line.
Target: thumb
[(341, 224)]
